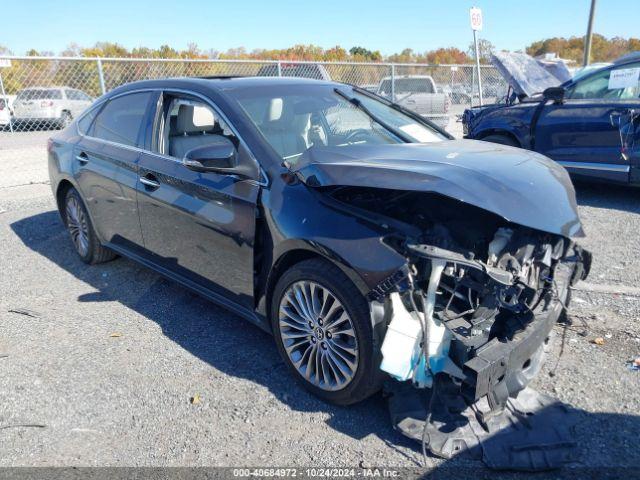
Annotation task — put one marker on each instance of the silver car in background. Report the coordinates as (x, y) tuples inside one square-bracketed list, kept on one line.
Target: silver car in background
[(419, 94), (48, 107)]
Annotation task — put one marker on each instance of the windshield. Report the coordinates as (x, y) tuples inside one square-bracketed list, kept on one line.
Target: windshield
[(293, 119)]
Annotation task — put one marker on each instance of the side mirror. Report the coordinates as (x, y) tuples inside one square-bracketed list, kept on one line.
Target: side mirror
[(213, 157), (555, 94)]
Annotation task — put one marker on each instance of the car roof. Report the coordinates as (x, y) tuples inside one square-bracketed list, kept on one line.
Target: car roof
[(629, 57), (219, 83), (404, 77)]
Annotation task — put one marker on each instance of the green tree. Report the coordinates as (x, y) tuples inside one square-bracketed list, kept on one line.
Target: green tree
[(486, 49)]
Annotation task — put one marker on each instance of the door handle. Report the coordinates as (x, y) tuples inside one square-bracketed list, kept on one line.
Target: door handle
[(149, 182), (82, 158)]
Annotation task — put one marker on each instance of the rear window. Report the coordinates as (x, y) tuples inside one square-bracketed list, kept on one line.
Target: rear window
[(121, 118), (39, 94), (408, 85)]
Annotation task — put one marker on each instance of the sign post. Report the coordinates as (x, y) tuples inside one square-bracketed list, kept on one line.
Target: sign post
[(475, 16), (5, 62)]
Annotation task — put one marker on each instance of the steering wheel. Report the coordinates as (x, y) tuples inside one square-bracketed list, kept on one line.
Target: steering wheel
[(353, 136)]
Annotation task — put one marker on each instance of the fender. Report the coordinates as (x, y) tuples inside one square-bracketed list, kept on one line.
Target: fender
[(515, 120)]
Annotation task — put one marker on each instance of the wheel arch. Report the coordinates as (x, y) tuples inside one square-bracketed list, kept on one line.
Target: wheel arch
[(498, 131), (299, 253), (61, 192)]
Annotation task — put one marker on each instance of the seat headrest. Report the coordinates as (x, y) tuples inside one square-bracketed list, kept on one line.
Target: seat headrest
[(274, 113), (194, 119)]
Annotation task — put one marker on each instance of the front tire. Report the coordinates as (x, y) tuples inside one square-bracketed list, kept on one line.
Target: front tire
[(80, 228), (322, 328)]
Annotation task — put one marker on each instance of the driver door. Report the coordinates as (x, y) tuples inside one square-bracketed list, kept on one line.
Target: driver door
[(198, 226), (590, 131)]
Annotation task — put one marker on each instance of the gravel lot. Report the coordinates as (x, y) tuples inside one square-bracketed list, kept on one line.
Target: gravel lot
[(102, 361)]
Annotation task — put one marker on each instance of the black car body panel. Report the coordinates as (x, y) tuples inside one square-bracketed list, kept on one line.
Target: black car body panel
[(380, 213)]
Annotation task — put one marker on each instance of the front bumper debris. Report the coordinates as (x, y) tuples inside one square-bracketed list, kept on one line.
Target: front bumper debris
[(533, 433), (468, 335)]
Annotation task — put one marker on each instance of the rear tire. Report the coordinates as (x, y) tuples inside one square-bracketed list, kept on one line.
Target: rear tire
[(80, 228), (319, 326), (501, 139)]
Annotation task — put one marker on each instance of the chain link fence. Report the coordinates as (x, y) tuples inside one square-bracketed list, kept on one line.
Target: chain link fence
[(42, 93)]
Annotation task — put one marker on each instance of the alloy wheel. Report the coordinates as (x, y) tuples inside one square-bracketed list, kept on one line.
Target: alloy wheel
[(318, 335), (77, 225)]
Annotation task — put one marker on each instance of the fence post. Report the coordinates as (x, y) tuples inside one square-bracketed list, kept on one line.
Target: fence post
[(393, 83), (101, 75), (6, 103), (279, 68)]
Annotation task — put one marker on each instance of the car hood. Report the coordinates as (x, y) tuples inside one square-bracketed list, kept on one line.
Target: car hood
[(528, 76), (521, 186)]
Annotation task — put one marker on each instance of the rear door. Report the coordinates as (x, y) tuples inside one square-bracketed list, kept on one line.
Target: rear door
[(200, 226), (106, 166), (594, 133)]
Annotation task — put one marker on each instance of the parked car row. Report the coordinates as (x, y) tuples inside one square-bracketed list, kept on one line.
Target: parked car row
[(43, 107)]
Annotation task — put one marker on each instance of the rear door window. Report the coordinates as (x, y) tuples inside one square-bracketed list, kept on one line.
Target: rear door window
[(39, 94), (86, 121), (120, 119)]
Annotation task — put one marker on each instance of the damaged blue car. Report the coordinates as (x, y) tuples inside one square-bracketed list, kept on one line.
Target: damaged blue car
[(589, 124)]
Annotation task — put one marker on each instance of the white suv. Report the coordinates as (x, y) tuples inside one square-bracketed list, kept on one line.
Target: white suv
[(49, 107)]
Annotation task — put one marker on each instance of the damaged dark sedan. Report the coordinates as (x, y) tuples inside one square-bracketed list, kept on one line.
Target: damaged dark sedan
[(367, 241)]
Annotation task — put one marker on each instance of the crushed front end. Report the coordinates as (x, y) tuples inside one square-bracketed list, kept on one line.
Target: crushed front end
[(485, 319), (478, 297)]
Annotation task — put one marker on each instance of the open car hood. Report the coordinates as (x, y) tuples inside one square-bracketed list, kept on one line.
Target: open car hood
[(528, 76), (522, 186)]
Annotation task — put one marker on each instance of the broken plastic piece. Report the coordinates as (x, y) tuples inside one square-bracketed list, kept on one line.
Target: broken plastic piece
[(401, 346), (534, 431)]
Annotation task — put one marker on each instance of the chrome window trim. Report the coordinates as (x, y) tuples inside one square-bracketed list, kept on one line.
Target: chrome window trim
[(263, 182), (608, 167)]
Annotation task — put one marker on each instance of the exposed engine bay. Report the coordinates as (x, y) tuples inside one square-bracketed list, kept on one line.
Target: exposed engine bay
[(479, 296)]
